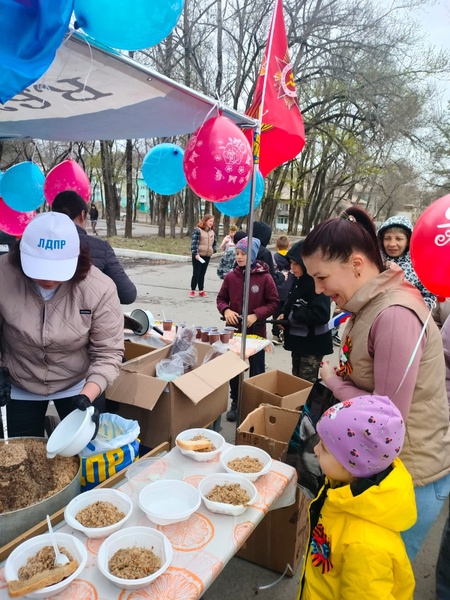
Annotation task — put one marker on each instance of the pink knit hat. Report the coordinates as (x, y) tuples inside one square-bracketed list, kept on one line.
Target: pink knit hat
[(364, 434)]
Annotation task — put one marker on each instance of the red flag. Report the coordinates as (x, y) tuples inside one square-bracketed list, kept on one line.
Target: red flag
[(282, 130)]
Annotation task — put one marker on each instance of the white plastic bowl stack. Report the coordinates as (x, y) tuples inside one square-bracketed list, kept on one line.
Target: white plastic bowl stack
[(120, 500), (141, 537), (213, 436), (73, 434), (209, 483), (18, 558), (241, 452), (169, 501)]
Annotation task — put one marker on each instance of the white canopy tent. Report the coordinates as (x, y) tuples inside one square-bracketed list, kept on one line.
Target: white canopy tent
[(91, 92)]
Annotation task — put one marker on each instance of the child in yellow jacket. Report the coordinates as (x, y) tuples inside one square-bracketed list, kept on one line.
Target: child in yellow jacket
[(355, 548)]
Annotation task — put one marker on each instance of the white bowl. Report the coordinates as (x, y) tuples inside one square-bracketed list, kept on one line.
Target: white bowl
[(116, 497), (73, 434), (215, 438), (241, 452), (166, 501), (210, 481), (31, 547), (142, 537)]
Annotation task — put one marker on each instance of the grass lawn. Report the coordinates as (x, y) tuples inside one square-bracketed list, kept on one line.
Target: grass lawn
[(153, 243)]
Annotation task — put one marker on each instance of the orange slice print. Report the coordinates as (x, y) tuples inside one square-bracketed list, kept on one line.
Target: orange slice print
[(79, 589), (176, 584), (190, 535), (194, 480), (269, 487), (93, 545), (242, 532), (3, 583)]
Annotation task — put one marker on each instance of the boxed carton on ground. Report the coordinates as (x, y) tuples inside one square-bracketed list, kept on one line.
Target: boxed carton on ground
[(162, 408), (269, 428), (280, 539), (274, 387)]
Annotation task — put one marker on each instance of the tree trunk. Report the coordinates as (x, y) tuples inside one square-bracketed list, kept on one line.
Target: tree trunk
[(163, 202), (129, 176), (110, 192)]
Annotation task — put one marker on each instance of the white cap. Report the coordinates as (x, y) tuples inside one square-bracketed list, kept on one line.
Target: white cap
[(50, 247)]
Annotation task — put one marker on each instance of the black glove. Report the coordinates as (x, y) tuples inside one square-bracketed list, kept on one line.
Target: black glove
[(82, 402), (5, 386)]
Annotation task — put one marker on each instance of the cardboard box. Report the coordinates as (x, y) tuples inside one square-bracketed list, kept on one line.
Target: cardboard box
[(133, 349), (274, 387), (162, 408), (280, 539), (269, 428)]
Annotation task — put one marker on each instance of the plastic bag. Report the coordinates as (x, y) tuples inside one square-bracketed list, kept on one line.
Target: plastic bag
[(182, 358), (301, 446), (169, 369), (113, 432), (217, 349), (115, 447)]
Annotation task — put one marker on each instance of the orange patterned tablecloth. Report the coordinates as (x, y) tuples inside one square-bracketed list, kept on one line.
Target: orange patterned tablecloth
[(202, 545)]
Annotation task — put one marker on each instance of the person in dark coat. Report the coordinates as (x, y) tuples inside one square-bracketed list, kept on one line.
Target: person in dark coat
[(263, 232), (262, 303), (308, 314), (102, 254), (283, 266)]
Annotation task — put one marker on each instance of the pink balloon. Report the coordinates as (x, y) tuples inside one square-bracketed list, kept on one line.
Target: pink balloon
[(12, 221), (68, 175), (218, 160)]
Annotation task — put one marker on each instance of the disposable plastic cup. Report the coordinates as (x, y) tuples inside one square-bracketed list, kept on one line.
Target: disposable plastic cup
[(199, 332), (167, 325), (205, 335), (213, 336), (231, 330), (225, 337)]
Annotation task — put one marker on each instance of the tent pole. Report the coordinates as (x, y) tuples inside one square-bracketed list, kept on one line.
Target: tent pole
[(248, 266)]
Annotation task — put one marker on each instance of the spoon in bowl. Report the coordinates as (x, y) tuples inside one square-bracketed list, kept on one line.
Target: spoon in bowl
[(60, 558)]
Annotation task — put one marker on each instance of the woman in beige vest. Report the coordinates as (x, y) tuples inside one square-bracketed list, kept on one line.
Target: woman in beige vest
[(379, 352), (203, 246)]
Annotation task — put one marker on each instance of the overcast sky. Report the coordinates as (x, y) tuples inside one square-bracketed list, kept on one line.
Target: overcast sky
[(436, 22)]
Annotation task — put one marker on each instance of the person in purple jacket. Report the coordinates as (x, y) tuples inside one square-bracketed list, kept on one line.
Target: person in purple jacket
[(262, 303)]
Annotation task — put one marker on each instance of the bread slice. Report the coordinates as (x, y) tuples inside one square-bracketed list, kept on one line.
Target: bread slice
[(17, 588), (194, 444)]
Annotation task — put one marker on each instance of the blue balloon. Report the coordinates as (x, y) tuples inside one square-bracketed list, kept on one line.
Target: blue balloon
[(162, 169), (33, 32), (239, 206), (128, 24), (22, 187)]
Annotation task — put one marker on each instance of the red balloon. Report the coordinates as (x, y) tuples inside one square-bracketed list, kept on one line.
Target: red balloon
[(68, 175), (218, 160), (430, 247), (13, 221)]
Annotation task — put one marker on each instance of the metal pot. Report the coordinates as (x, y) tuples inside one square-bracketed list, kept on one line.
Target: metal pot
[(15, 522)]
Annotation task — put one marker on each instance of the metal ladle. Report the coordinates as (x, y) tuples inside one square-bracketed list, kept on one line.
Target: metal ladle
[(60, 558), (4, 424)]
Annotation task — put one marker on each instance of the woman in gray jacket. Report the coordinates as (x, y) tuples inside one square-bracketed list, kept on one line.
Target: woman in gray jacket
[(61, 326)]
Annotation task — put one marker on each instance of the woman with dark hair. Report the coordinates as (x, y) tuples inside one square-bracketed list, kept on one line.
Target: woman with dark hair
[(102, 255), (203, 246), (61, 326), (390, 347)]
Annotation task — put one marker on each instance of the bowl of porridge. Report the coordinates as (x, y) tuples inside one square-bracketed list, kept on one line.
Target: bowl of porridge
[(249, 461), (36, 555), (201, 445), (227, 493), (99, 513), (134, 557)]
